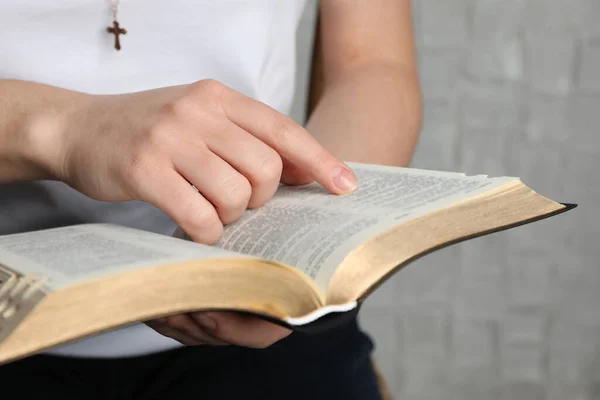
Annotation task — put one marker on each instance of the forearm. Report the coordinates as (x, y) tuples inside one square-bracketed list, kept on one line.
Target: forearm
[(371, 114), (31, 115)]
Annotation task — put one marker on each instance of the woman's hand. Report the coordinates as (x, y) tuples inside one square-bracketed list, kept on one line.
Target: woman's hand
[(154, 145), (219, 328)]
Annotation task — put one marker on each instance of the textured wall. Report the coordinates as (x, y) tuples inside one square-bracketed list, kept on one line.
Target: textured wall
[(512, 87)]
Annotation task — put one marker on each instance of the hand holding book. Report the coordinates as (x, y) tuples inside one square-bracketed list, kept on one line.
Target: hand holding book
[(219, 328)]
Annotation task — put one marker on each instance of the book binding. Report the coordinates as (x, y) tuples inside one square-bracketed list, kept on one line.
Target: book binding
[(19, 294)]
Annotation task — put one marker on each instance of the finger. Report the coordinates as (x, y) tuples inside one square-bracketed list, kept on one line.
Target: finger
[(166, 189), (189, 327), (226, 189), (197, 327), (175, 334), (247, 331), (290, 140), (293, 175), (259, 163), (205, 325)]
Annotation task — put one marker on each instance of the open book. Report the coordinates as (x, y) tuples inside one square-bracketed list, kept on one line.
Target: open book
[(307, 259)]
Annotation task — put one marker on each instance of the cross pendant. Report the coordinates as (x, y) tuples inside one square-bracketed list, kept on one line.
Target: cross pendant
[(117, 31)]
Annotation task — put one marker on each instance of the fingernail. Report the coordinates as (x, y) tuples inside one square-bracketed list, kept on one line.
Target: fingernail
[(207, 323), (344, 180)]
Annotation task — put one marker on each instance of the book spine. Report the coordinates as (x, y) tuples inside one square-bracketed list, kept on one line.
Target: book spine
[(19, 294)]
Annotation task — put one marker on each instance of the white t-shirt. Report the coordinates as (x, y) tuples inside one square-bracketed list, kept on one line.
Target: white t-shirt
[(246, 44)]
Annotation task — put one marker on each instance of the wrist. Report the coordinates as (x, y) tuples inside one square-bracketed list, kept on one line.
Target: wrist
[(44, 132)]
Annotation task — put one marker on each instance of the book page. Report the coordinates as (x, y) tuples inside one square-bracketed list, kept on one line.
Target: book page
[(70, 254), (310, 229)]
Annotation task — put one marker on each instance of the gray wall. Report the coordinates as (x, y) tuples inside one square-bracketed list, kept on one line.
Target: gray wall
[(512, 87)]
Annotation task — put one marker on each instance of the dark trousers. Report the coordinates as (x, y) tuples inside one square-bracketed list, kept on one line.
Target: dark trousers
[(331, 365)]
